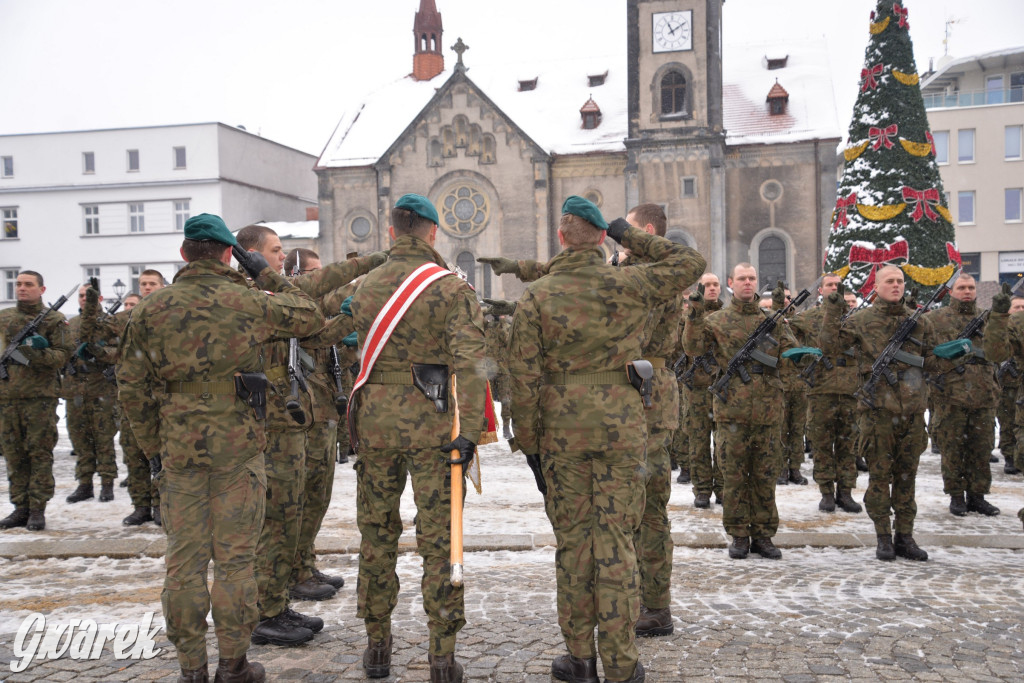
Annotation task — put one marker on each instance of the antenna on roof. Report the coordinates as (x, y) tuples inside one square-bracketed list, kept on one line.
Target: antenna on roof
[(945, 41)]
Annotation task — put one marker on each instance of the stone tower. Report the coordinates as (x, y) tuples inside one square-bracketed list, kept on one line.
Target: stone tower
[(428, 59)]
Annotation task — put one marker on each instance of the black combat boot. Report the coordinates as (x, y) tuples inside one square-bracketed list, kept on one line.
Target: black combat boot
[(639, 675), (311, 589), (377, 658), (17, 518), (992, 457), (138, 517), (36, 519), (957, 504), (239, 671), (107, 491), (862, 464), (314, 624), (124, 483), (906, 546), (740, 547), (1008, 466), (200, 675), (885, 551), (444, 669), (796, 477), (574, 669), (719, 498), (279, 630), (976, 503), (654, 622), (827, 502), (83, 492), (702, 500), (156, 515), (847, 503), (335, 581), (684, 475), (765, 548)]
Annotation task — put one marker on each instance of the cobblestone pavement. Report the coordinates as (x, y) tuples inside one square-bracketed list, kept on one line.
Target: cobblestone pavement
[(816, 615)]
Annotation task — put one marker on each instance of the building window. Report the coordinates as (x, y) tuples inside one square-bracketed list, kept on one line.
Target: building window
[(133, 160), (88, 162), (594, 80), (771, 260), (181, 213), (10, 279), (673, 93), (965, 207), (1013, 197), (360, 227), (10, 223), (467, 264), (1012, 142), (92, 272), (179, 157), (92, 219), (465, 210), (965, 145), (689, 187), (136, 272), (971, 263), (489, 154), (941, 139), (528, 84), (137, 217), (1017, 87), (994, 90), (7, 167)]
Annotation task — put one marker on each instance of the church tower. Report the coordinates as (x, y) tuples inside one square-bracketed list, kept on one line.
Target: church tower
[(428, 59)]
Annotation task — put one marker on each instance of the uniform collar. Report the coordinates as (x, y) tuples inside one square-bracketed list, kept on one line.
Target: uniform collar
[(572, 257), (964, 307), (893, 308), (745, 307), (30, 308), (414, 248), (209, 267)]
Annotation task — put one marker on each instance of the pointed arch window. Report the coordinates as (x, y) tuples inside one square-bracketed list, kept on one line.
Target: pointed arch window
[(673, 93), (466, 262), (771, 261)]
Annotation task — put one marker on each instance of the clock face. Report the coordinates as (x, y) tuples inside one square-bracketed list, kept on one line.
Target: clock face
[(672, 31)]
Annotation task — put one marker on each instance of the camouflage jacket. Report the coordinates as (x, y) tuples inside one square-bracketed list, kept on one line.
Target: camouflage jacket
[(761, 401), (969, 380), (868, 331), (789, 370), (496, 331), (587, 317), (701, 380), (836, 374), (86, 378), (207, 326), (443, 326), (40, 378), (1004, 340)]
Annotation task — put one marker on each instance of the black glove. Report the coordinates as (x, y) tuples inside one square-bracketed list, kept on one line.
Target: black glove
[(252, 261), (697, 301), (155, 465), (779, 295), (500, 265), (617, 228), (912, 298), (534, 462), (499, 307), (1001, 301), (838, 296), (464, 446)]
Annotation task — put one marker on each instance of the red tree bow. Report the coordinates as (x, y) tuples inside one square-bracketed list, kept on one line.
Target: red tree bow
[(954, 254), (877, 257), (903, 14), (842, 205), (923, 201), (931, 141), (870, 77), (880, 136)]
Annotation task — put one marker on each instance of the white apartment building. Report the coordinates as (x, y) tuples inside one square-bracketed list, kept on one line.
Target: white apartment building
[(975, 108), (111, 203)]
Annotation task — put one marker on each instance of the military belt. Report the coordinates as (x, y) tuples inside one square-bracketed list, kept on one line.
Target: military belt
[(220, 388), (657, 363), (592, 379), (276, 374), (381, 377)]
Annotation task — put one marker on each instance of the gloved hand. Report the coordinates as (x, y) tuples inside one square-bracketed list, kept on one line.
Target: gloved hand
[(346, 306), (252, 262), (351, 340), (464, 446), (499, 307), (500, 265), (92, 297), (1001, 301), (377, 258), (697, 301), (534, 462), (838, 296), (779, 295), (617, 228), (911, 298), (83, 353), (36, 341)]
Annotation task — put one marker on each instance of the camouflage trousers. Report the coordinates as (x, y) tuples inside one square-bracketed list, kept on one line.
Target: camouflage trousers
[(28, 433), (705, 466), (794, 420), (141, 487), (830, 422), (502, 391), (1006, 413), (966, 437), (654, 542), (92, 427), (320, 461), (892, 445), (1018, 432), (679, 449), (749, 457), (380, 480), (595, 502), (279, 539), (211, 513)]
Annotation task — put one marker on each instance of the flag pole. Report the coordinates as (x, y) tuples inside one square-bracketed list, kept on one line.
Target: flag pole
[(456, 503)]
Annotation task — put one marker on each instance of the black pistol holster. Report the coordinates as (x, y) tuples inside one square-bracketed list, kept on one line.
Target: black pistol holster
[(640, 373), (251, 387), (432, 380)]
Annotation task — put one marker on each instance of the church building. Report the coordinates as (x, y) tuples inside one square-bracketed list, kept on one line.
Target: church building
[(737, 142)]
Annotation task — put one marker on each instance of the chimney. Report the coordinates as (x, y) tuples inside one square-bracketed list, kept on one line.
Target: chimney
[(427, 60)]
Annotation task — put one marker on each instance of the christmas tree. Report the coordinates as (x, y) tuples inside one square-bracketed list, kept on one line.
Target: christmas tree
[(891, 207)]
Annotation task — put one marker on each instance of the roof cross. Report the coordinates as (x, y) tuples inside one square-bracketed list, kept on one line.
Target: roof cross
[(459, 47)]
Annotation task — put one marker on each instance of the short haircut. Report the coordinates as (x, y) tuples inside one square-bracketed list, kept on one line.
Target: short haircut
[(253, 237), (406, 222), (132, 295), (38, 277), (965, 276), (199, 250), (157, 273), (289, 261), (732, 273), (579, 232), (1017, 296), (882, 269), (650, 213)]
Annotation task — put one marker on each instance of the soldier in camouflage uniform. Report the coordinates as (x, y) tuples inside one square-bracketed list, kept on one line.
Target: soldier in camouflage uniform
[(28, 403), (1009, 378), (582, 425), (497, 327), (966, 395), (90, 400), (893, 433), (747, 423), (794, 417), (188, 344), (442, 327)]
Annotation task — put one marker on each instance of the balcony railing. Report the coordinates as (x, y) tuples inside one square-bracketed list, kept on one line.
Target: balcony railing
[(973, 98)]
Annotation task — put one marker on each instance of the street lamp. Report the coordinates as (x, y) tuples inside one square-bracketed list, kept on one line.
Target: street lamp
[(119, 288)]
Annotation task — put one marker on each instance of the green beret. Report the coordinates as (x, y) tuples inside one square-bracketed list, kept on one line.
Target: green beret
[(206, 226), (419, 205), (585, 209)]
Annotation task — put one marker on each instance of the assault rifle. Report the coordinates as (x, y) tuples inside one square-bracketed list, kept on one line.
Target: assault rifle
[(295, 376), (807, 374), (880, 368), (705, 361), (12, 353), (340, 398), (750, 349), (1008, 367)]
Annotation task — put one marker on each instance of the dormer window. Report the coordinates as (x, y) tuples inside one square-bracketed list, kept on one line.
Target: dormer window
[(594, 80), (777, 99), (773, 63), (591, 114), (527, 85)]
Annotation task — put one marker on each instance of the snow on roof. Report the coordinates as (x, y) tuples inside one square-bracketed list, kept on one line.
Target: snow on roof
[(955, 64), (294, 230)]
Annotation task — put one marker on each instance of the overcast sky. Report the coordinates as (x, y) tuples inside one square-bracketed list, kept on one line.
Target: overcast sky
[(288, 69)]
